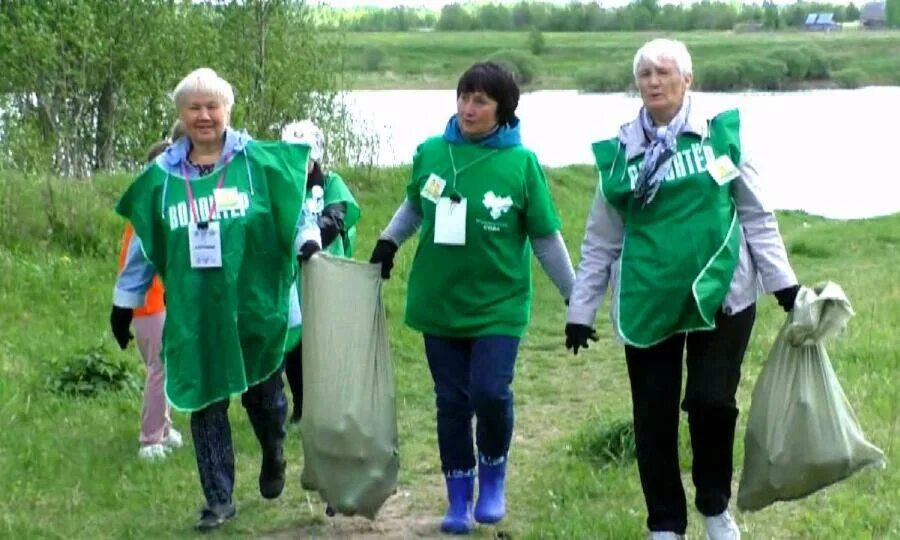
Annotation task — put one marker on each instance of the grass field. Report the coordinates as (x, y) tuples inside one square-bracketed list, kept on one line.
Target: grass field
[(69, 467), (436, 59)]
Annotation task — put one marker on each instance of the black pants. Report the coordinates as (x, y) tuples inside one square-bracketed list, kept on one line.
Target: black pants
[(713, 372), (293, 368), (266, 408)]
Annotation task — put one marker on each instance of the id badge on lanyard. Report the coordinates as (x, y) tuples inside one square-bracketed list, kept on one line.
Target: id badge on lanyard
[(205, 244), (450, 222), (205, 237)]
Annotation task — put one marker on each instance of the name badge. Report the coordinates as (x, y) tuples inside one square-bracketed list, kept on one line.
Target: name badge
[(227, 198), (433, 188), (723, 170), (205, 244), (450, 222)]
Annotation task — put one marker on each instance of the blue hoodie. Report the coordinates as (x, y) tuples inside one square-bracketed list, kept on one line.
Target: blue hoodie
[(137, 273), (503, 136)]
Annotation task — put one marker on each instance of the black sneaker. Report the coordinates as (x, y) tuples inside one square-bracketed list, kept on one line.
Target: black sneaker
[(271, 478), (213, 518)]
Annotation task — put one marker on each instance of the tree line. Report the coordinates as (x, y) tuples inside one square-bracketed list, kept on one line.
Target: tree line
[(587, 16)]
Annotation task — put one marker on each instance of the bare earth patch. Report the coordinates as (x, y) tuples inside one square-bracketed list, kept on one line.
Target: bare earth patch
[(395, 520)]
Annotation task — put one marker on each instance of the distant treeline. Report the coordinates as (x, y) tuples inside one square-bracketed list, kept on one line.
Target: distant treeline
[(584, 17)]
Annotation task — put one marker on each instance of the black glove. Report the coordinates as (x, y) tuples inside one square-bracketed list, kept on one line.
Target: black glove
[(331, 222), (384, 254), (307, 250), (786, 297), (577, 336), (120, 322)]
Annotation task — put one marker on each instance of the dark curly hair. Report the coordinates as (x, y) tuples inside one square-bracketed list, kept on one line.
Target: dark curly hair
[(497, 82)]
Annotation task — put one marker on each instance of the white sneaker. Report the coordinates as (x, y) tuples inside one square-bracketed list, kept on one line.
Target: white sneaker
[(152, 452), (665, 535), (172, 440), (722, 527)]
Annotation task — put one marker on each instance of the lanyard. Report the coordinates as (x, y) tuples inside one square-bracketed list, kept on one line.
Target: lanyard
[(457, 172), (190, 192)]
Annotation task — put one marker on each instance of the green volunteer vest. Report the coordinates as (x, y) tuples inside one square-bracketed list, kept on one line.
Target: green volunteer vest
[(679, 252), (225, 327), (483, 287), (336, 191)]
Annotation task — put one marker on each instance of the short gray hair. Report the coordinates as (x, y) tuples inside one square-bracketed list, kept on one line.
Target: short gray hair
[(204, 81), (664, 49)]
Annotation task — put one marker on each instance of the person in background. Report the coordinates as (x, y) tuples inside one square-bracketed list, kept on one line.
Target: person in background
[(329, 206), (679, 226), (157, 434), (481, 203), (215, 216)]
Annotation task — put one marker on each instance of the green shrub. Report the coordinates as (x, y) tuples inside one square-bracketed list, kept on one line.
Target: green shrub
[(819, 65), (839, 60), (373, 58), (522, 65), (796, 60), (849, 77), (608, 80), (92, 373), (762, 73), (536, 43), (718, 76)]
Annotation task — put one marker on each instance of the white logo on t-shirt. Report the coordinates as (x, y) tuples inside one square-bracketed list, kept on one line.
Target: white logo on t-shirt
[(497, 205)]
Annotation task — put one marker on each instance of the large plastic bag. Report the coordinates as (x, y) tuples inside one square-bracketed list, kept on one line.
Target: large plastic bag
[(802, 434), (349, 424)]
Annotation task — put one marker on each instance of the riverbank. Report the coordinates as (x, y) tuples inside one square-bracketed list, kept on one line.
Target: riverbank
[(602, 61)]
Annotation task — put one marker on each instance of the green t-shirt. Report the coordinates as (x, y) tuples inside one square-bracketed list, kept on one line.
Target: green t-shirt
[(484, 286)]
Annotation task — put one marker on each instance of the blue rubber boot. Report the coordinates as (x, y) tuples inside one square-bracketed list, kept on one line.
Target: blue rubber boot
[(491, 506), (458, 519)]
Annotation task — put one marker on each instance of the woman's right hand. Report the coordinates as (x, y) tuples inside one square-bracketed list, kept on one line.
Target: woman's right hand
[(120, 322), (383, 254)]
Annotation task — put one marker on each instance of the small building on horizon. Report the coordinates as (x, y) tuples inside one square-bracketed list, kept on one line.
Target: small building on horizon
[(821, 22), (873, 16)]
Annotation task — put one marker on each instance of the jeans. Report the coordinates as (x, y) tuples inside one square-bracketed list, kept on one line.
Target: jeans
[(472, 377)]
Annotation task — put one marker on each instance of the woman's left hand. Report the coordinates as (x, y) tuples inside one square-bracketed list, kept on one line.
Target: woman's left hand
[(786, 297), (577, 336)]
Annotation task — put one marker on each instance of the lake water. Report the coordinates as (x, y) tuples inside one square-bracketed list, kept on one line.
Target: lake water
[(833, 153)]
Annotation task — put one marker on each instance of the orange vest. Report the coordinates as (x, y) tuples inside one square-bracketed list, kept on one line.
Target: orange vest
[(154, 300)]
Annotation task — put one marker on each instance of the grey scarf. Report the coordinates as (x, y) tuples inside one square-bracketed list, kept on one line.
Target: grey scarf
[(658, 154)]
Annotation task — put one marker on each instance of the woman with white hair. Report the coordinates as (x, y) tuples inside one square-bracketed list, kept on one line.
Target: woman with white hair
[(679, 227), (216, 217), (331, 208)]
